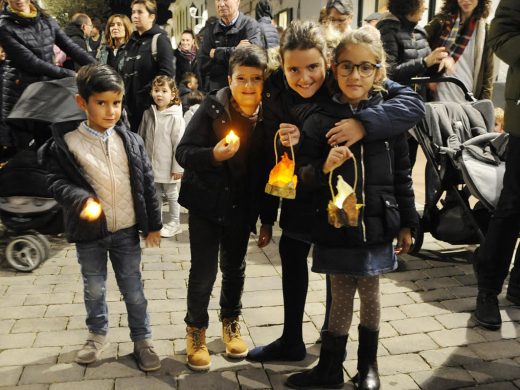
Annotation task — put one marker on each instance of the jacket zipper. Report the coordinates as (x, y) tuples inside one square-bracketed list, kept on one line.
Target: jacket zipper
[(363, 227), (387, 145), (112, 182)]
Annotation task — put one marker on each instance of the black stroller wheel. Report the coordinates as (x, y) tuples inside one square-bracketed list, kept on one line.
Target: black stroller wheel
[(418, 239), (24, 253), (44, 243)]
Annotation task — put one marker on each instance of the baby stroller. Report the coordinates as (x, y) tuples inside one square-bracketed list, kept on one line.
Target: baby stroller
[(27, 209), (464, 158)]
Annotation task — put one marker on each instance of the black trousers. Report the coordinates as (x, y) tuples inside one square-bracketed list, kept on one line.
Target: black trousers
[(207, 241), (494, 256)]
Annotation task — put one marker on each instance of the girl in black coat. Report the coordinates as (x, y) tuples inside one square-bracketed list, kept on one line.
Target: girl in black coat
[(28, 35), (355, 252), (140, 66), (291, 95)]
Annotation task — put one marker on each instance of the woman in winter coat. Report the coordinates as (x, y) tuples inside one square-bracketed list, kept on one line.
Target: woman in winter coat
[(461, 28), (28, 35), (186, 57), (117, 33), (264, 17), (406, 46), (141, 65)]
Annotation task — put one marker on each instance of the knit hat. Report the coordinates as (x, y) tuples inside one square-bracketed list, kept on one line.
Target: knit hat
[(263, 8), (344, 7), (373, 16)]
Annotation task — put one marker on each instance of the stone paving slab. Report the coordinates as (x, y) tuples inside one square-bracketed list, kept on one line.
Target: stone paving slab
[(428, 339)]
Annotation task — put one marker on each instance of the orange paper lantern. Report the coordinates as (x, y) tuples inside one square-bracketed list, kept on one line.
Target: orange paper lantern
[(282, 180)]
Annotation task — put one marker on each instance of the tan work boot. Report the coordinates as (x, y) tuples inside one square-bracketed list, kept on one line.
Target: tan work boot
[(196, 349), (235, 346), (92, 349), (145, 355)]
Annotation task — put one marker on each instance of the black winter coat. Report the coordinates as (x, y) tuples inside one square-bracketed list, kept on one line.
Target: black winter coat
[(71, 190), (384, 184), (210, 189), (403, 109), (140, 68), (224, 40), (28, 44), (269, 32), (405, 45), (184, 65), (77, 36)]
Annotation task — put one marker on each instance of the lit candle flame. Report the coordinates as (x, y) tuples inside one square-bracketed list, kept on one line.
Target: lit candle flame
[(231, 138), (92, 210)]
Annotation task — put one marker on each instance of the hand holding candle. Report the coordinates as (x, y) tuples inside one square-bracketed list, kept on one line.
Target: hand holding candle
[(226, 147), (91, 210)]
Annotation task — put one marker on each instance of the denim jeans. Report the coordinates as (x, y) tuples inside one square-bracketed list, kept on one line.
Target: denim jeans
[(125, 254), (493, 259), (171, 190), (207, 239)]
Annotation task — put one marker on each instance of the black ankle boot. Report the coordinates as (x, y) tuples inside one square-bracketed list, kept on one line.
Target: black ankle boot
[(367, 377), (328, 373), (487, 313)]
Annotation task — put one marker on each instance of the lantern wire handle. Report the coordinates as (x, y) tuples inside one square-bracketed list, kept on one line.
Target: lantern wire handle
[(277, 135), (355, 177)]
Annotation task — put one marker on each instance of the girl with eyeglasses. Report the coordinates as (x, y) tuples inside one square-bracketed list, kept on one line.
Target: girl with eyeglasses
[(291, 94), (355, 254)]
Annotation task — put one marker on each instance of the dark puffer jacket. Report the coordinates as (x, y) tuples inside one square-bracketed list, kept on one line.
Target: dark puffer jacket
[(140, 68), (384, 184), (210, 189), (405, 45), (28, 44), (71, 190), (224, 40), (269, 32)]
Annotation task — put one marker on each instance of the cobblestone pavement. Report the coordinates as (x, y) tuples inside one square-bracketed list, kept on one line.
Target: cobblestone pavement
[(428, 340)]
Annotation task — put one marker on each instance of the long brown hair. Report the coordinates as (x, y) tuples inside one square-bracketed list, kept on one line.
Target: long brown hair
[(451, 7), (127, 24), (161, 80)]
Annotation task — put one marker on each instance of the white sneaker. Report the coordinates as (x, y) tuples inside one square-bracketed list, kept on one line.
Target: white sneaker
[(170, 230)]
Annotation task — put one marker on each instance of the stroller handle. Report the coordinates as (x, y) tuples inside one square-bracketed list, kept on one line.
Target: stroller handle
[(446, 79)]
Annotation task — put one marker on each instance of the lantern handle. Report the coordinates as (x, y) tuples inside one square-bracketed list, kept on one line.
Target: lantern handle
[(355, 177), (277, 135)]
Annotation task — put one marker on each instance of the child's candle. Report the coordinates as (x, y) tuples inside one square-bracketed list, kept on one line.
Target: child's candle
[(231, 137), (92, 210)]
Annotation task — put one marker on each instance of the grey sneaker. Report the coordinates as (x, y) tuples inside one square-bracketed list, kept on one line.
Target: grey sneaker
[(92, 349), (147, 359)]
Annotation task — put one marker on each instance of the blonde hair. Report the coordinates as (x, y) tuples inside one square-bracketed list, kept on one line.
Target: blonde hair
[(333, 38), (499, 116), (161, 80), (370, 37)]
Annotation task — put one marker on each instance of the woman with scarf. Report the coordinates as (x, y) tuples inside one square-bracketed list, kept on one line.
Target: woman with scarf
[(461, 28), (186, 57), (28, 35)]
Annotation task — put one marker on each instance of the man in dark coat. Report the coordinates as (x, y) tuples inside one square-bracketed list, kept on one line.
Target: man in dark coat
[(493, 259), (264, 17), (79, 30), (232, 29)]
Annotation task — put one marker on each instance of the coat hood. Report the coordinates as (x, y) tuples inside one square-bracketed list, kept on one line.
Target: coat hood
[(176, 109), (73, 30), (156, 29), (6, 14)]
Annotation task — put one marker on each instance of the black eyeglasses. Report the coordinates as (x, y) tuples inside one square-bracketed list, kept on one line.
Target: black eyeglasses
[(365, 69)]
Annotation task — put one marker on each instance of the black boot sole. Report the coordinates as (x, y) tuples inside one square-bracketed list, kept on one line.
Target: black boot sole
[(486, 325)]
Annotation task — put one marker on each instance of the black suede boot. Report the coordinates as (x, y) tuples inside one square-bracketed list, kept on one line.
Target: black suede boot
[(367, 377), (487, 312), (328, 373)]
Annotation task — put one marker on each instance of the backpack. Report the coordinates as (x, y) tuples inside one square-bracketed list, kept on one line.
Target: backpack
[(154, 50)]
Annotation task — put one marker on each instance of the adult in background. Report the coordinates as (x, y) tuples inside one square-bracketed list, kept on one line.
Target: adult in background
[(231, 29), (117, 33), (493, 259), (27, 35), (79, 30), (186, 56), (264, 17), (461, 28), (95, 39), (140, 66), (340, 14)]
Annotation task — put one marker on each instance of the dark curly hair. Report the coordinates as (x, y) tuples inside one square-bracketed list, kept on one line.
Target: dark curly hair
[(404, 7), (451, 7)]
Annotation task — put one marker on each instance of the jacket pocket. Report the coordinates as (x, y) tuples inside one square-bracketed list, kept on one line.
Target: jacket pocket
[(392, 218)]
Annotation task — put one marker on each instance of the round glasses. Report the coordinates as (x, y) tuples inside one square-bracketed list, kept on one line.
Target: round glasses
[(365, 69)]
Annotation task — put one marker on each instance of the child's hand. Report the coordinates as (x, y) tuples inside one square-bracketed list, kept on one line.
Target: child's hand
[(289, 134), (404, 241), (336, 157), (176, 176), (448, 65), (153, 239), (91, 210), (266, 232), (347, 131), (224, 151)]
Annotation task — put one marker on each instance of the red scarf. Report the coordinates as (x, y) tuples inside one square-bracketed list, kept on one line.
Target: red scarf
[(463, 35)]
